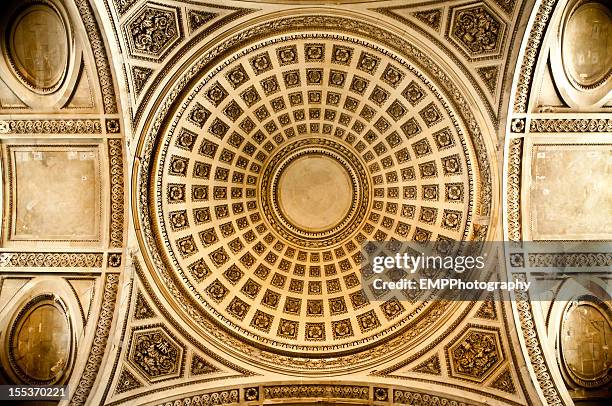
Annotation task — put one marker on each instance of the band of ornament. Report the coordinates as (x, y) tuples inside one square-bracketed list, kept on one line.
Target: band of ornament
[(530, 57), (115, 158), (99, 342), (67, 126), (573, 259), (571, 125), (99, 52), (316, 391), (224, 397), (534, 348), (414, 398), (50, 260), (514, 189)]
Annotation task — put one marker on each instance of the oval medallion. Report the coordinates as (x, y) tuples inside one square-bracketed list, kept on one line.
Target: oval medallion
[(586, 332), (587, 45), (38, 47), (40, 342)]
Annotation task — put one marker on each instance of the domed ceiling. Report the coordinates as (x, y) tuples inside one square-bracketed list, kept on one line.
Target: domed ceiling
[(279, 163), (192, 190)]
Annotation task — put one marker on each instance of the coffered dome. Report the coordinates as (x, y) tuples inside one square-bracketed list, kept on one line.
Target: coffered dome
[(201, 201), (278, 164)]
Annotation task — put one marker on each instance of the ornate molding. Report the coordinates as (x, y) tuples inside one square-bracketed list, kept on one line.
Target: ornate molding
[(127, 382), (215, 25), (355, 393), (534, 348), (153, 31), (123, 6), (163, 312), (98, 347), (536, 34), (574, 259), (405, 397), (115, 157), (432, 17), (316, 391), (223, 397), (504, 382), (571, 125), (50, 260), (114, 260), (515, 152), (429, 366), (319, 147), (94, 36), (156, 353), (475, 353), (391, 13), (142, 310), (65, 126), (140, 76), (506, 5), (59, 370), (476, 31)]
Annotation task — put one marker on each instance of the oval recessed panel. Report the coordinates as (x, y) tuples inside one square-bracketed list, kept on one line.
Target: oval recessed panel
[(38, 47), (587, 44), (585, 336), (40, 342)]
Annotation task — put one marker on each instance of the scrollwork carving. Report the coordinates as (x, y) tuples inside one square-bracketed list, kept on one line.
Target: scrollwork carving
[(570, 125), (513, 191), (534, 348), (92, 366), (115, 157), (50, 259), (155, 354), (99, 52), (316, 391), (67, 126), (153, 31), (476, 30), (531, 55)]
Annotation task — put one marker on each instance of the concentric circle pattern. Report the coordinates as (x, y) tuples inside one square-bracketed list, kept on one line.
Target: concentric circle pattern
[(238, 175), (314, 192)]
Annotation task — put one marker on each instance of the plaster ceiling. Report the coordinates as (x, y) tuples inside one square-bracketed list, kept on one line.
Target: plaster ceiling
[(279, 164)]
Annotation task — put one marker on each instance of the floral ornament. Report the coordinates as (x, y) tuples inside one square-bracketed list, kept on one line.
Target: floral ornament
[(475, 355), (518, 125), (154, 354), (153, 30), (477, 29)]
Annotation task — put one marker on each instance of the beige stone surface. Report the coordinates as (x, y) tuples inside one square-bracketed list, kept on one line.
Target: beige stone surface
[(189, 185), (56, 194), (570, 193), (315, 193)]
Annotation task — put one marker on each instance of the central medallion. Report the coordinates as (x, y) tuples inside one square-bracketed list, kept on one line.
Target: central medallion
[(314, 192)]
